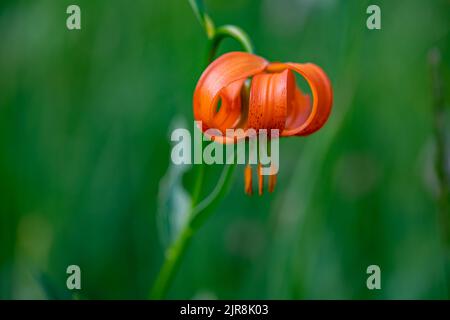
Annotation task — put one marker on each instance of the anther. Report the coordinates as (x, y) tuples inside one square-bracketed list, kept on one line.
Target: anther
[(248, 180)]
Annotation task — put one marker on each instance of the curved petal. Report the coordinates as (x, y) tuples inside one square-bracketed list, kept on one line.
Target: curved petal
[(270, 95), (304, 119), (223, 78), (230, 110), (298, 109)]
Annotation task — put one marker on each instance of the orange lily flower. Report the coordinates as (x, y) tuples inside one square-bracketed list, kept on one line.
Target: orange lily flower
[(275, 102)]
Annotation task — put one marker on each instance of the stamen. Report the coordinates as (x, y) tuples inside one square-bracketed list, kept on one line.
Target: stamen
[(260, 180), (272, 182), (248, 180)]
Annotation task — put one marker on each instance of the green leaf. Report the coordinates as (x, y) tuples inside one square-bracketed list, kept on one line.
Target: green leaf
[(174, 202), (199, 9), (200, 12)]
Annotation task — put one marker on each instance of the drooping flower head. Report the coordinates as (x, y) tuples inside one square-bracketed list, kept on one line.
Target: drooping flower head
[(274, 102)]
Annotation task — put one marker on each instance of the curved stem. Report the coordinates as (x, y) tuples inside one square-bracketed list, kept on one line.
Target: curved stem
[(199, 212), (171, 262), (197, 216), (202, 211), (230, 31)]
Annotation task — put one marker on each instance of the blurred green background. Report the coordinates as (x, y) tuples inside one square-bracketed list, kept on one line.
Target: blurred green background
[(85, 120)]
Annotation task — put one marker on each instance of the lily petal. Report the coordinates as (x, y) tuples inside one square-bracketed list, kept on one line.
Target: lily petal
[(322, 96), (221, 79), (270, 95)]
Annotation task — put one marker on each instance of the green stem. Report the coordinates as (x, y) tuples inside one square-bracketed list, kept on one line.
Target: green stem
[(199, 212), (198, 184), (232, 32), (197, 216), (172, 260), (204, 209)]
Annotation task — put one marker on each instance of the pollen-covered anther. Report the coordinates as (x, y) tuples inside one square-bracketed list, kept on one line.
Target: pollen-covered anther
[(260, 180), (272, 182), (248, 180), (272, 178)]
